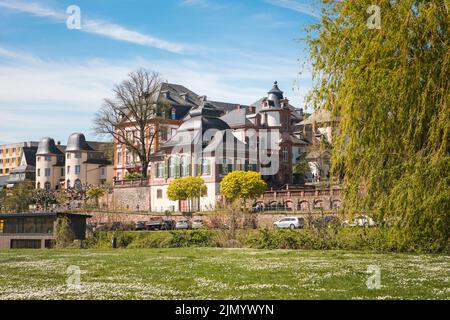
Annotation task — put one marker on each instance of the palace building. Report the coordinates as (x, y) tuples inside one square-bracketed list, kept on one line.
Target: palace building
[(210, 139), (77, 165)]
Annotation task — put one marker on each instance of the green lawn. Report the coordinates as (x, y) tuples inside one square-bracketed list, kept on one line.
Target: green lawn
[(212, 273)]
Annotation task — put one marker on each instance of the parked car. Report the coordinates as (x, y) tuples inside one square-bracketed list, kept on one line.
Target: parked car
[(289, 223), (361, 221), (153, 225), (139, 226), (326, 221), (168, 225), (182, 225), (197, 224)]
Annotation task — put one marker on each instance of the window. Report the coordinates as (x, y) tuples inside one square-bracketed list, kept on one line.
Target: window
[(77, 184), (159, 194), (38, 172), (159, 170), (163, 133), (68, 183), (185, 167), (47, 186), (38, 186), (206, 167), (47, 172), (77, 169), (48, 158), (25, 244), (68, 170), (2, 224), (174, 167), (103, 171), (174, 114), (69, 156), (62, 172), (77, 155), (227, 166), (285, 154), (6, 170)]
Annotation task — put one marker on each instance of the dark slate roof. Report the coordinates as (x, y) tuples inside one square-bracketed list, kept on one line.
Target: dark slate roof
[(29, 155), (202, 118), (3, 181), (98, 161), (275, 91), (319, 116), (225, 107), (77, 142), (42, 214), (180, 98), (47, 146), (237, 118)]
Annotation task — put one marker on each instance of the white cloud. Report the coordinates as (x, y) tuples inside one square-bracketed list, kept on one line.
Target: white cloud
[(48, 97), (296, 6), (201, 3), (98, 27)]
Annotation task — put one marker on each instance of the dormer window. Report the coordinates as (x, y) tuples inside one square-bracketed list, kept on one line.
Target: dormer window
[(173, 114)]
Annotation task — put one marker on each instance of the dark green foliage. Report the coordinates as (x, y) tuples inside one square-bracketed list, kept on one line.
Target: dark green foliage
[(18, 198), (64, 235), (367, 239)]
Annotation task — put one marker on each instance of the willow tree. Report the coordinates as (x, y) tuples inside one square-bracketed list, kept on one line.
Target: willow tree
[(385, 71)]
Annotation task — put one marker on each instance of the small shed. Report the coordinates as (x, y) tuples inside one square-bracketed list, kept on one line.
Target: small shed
[(36, 230)]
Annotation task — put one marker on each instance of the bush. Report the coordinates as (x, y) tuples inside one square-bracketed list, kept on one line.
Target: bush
[(367, 239), (133, 176)]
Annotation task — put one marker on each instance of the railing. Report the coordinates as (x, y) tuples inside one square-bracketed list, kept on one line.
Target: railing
[(131, 183), (300, 192)]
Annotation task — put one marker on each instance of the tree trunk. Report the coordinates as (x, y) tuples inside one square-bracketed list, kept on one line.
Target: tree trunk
[(144, 168)]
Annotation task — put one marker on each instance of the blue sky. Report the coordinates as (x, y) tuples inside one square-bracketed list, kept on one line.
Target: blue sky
[(52, 79)]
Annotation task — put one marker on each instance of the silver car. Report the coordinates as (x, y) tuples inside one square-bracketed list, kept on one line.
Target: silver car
[(182, 225), (197, 224), (289, 223)]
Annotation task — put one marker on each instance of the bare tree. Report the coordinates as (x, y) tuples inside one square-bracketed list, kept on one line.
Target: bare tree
[(128, 116)]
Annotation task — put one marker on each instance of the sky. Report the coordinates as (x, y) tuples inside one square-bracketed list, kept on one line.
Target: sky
[(54, 78)]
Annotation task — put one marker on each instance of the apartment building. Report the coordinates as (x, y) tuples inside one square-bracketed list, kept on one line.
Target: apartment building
[(11, 158)]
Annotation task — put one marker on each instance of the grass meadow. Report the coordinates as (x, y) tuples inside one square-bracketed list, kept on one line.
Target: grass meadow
[(217, 273)]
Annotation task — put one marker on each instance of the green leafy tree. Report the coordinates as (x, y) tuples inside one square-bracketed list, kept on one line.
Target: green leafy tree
[(301, 170), (390, 87), (95, 193), (2, 199), (64, 235), (242, 185), (18, 198), (187, 188)]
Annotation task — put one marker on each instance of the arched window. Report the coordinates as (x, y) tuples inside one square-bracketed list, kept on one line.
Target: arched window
[(38, 185), (47, 185), (77, 184), (68, 184)]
